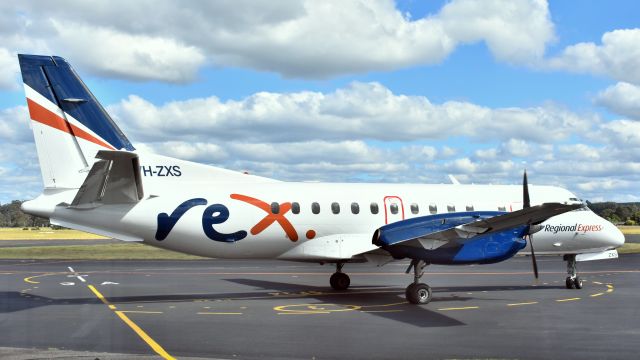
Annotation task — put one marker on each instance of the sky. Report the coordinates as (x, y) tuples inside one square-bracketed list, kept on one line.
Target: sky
[(349, 91)]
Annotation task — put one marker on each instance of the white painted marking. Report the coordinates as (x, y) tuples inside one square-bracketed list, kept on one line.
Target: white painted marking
[(75, 274), (109, 283), (67, 283)]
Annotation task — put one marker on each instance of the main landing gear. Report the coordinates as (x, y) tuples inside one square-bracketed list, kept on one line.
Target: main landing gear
[(417, 292), (573, 281), (339, 280)]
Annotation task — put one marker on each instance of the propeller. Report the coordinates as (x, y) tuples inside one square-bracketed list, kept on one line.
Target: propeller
[(526, 203)]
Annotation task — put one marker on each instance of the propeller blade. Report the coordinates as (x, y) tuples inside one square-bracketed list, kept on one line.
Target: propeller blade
[(526, 202), (533, 258)]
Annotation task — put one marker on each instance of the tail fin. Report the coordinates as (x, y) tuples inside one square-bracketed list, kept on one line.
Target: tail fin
[(68, 123)]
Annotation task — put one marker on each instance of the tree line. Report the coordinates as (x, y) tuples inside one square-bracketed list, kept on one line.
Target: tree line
[(617, 213), (12, 216)]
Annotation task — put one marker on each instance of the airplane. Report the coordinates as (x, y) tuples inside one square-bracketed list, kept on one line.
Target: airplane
[(96, 181)]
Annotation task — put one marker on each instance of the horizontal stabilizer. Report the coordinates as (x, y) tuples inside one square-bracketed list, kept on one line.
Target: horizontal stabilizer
[(114, 179)]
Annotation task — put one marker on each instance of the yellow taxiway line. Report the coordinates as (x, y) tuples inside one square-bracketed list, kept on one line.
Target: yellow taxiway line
[(141, 333)]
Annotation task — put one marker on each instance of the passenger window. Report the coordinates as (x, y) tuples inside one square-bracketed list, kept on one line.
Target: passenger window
[(374, 208), (275, 208), (414, 208), (295, 208), (502, 208), (469, 207), (393, 208), (355, 208), (433, 209), (335, 208), (315, 208), (451, 208)]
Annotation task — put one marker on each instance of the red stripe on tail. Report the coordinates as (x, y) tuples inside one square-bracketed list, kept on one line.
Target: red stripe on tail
[(42, 115)]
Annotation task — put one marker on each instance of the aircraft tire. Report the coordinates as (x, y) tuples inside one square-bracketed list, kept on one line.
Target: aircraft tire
[(569, 283), (339, 281), (577, 282), (418, 294)]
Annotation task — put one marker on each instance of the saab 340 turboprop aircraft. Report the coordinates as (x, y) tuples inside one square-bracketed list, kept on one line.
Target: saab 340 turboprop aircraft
[(96, 181)]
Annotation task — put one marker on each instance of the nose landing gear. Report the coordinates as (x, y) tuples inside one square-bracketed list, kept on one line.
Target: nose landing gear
[(417, 292), (573, 281), (339, 280)]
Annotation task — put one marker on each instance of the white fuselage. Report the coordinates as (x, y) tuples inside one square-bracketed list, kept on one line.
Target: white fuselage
[(302, 234)]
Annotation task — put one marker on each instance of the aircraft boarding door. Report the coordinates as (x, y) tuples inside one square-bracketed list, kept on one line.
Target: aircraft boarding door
[(393, 209)]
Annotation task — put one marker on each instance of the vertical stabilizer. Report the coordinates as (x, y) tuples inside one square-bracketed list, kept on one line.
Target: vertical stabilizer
[(69, 125)]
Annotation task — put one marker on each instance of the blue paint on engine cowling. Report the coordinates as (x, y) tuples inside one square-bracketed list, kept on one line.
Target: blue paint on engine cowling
[(481, 249)]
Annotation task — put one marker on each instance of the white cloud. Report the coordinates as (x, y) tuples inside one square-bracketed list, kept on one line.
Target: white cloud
[(606, 184), (359, 111), (514, 31), (14, 125), (8, 70), (617, 57), (622, 98), (581, 152), (625, 134), (134, 56), (169, 40), (516, 148)]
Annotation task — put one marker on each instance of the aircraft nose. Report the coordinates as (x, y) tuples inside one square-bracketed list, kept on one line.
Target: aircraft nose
[(615, 236)]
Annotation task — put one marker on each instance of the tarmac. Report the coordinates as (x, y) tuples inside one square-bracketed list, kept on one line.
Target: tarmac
[(248, 309)]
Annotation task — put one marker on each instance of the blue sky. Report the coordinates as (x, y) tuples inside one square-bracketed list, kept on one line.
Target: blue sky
[(405, 91)]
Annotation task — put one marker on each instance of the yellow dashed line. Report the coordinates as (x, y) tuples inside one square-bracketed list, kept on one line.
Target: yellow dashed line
[(598, 294), (571, 299), (523, 303), (459, 308)]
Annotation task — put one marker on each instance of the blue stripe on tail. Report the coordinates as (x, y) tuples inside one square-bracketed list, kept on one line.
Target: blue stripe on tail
[(53, 78)]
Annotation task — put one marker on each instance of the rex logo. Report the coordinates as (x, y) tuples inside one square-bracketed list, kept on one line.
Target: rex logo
[(217, 214), (270, 218), (212, 215)]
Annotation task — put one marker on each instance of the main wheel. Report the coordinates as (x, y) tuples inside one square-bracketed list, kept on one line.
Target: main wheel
[(339, 281), (419, 294), (569, 283), (577, 282)]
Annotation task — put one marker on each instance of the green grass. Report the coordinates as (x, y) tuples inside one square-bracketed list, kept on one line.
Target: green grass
[(46, 234), (124, 251), (630, 230), (629, 248)]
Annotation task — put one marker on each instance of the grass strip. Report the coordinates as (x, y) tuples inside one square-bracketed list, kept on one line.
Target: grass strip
[(46, 234), (124, 251), (630, 230), (629, 248)]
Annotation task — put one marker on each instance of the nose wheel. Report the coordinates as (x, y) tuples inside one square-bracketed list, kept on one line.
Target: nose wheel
[(573, 281), (339, 280), (417, 292)]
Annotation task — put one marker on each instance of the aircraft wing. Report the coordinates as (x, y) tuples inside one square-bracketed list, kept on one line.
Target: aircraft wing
[(431, 232)]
